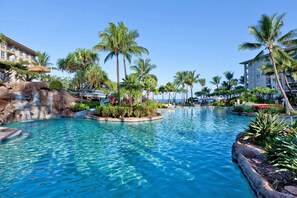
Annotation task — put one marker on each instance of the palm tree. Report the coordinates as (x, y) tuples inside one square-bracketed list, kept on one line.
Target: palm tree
[(149, 84), (268, 35), (283, 66), (112, 41), (202, 82), (180, 80), (216, 80), (169, 87), (78, 62), (42, 59), (231, 81), (191, 80), (95, 77), (132, 85), (2, 38), (130, 47), (162, 90), (143, 68)]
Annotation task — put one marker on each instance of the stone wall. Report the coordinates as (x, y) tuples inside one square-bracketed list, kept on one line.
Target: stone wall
[(33, 100)]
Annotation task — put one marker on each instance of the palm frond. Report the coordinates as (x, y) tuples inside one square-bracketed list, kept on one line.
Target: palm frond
[(249, 46)]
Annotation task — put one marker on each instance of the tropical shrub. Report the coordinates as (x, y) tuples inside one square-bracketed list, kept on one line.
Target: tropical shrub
[(268, 107), (248, 109), (264, 127), (248, 97), (238, 109), (106, 111), (137, 113), (121, 111), (92, 104), (80, 107), (129, 111), (284, 153), (56, 85), (161, 106)]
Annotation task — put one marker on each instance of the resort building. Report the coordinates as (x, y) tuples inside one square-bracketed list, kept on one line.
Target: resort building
[(16, 52), (253, 76)]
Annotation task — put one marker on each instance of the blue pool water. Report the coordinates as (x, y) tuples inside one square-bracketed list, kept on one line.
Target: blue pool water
[(187, 154)]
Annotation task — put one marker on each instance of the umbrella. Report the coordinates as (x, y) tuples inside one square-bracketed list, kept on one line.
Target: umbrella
[(39, 70)]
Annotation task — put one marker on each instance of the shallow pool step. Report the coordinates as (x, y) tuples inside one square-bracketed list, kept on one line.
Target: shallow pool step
[(8, 133)]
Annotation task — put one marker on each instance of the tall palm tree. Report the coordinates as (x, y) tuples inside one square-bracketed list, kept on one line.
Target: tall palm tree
[(162, 90), (191, 80), (112, 39), (216, 80), (130, 47), (143, 68), (169, 87), (42, 59), (268, 35), (202, 83), (180, 80)]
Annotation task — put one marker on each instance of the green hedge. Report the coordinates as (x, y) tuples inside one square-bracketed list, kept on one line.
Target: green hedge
[(142, 110)]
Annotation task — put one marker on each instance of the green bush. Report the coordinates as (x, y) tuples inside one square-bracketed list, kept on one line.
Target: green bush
[(122, 111), (137, 113), (92, 104), (284, 154), (106, 111), (129, 111), (272, 110), (80, 107), (238, 109), (265, 126), (98, 110), (161, 106), (248, 109), (56, 85), (118, 111), (248, 97)]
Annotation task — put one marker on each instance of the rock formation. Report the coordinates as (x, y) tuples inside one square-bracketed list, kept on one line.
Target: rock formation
[(33, 100)]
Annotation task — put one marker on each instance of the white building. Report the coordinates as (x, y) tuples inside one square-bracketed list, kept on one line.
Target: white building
[(253, 76)]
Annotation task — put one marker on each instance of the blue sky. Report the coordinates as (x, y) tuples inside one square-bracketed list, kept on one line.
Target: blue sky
[(180, 35)]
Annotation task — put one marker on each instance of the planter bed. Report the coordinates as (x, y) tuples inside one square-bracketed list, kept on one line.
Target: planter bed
[(265, 179)]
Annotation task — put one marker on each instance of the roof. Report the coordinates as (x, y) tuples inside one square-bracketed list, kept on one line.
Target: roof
[(17, 44), (287, 49)]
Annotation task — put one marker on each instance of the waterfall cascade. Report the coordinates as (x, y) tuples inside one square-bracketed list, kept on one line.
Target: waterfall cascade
[(50, 101)]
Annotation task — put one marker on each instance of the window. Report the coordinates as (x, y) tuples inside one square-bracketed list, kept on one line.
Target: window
[(27, 56), (2, 54), (21, 52), (2, 46)]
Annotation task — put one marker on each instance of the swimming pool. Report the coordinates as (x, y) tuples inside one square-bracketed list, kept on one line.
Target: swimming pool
[(188, 153)]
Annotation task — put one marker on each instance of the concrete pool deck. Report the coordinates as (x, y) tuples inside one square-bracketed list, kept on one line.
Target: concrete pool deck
[(8, 133)]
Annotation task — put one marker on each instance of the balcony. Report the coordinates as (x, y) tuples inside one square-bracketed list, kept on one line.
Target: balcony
[(10, 51)]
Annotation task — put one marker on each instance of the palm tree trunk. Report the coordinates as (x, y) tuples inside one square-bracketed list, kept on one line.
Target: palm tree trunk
[(168, 97), (124, 61), (81, 91), (118, 80), (162, 97), (278, 81), (289, 86), (191, 93), (147, 94)]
